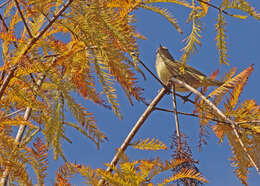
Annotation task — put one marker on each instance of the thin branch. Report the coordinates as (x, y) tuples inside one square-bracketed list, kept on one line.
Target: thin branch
[(4, 3), (134, 130), (6, 28), (204, 117), (20, 133), (38, 36), (6, 81), (214, 6), (13, 113), (176, 117), (243, 122), (222, 115), (165, 86), (29, 46), (22, 128), (24, 22), (33, 80), (142, 63)]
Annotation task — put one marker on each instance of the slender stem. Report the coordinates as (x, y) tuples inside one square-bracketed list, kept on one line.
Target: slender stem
[(20, 132), (13, 113), (214, 6), (6, 29), (22, 128), (6, 81), (134, 130), (204, 117), (24, 22), (4, 3), (176, 117), (142, 63), (222, 115)]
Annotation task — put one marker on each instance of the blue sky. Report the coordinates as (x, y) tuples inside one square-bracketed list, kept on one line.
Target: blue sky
[(243, 44)]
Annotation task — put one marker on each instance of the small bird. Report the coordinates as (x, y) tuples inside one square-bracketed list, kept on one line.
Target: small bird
[(167, 67)]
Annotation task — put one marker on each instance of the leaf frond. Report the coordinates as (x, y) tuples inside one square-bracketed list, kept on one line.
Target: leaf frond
[(147, 144), (185, 173), (221, 39), (164, 13), (192, 41)]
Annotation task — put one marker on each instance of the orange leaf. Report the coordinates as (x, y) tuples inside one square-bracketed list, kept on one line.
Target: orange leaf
[(204, 5)]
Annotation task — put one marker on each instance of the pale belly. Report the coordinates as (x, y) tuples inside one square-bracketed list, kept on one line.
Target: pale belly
[(165, 75)]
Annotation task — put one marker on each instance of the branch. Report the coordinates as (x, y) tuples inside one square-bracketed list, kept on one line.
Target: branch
[(214, 6), (22, 128), (38, 36), (222, 115), (176, 118), (167, 88), (24, 22), (6, 28), (32, 42), (13, 113), (134, 130), (6, 81), (20, 132), (4, 3)]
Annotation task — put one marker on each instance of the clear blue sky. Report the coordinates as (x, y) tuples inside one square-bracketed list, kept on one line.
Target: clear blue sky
[(243, 44)]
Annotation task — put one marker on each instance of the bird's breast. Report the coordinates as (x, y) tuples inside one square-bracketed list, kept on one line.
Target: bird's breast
[(162, 70)]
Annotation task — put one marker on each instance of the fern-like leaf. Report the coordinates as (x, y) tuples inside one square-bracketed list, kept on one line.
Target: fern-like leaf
[(244, 6), (221, 39), (185, 173), (64, 173), (192, 40), (237, 83), (164, 13), (147, 144)]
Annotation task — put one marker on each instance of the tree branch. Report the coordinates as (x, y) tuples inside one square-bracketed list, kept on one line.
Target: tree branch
[(177, 124), (13, 113), (22, 128), (4, 3), (134, 130), (222, 115), (24, 22), (31, 43), (214, 6)]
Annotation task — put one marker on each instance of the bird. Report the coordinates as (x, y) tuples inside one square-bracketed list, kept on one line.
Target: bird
[(167, 67)]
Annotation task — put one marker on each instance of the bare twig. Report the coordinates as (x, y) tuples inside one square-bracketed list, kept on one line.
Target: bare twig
[(4, 3), (6, 28), (176, 117), (6, 81), (167, 88), (24, 22), (13, 113), (243, 122), (214, 6), (134, 130), (222, 115), (204, 117)]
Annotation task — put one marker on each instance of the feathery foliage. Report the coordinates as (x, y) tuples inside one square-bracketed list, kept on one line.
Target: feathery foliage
[(147, 144), (58, 56)]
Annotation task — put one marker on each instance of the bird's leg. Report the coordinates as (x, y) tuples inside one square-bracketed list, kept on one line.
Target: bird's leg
[(168, 87)]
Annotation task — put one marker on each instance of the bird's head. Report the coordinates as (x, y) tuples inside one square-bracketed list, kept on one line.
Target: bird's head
[(163, 51)]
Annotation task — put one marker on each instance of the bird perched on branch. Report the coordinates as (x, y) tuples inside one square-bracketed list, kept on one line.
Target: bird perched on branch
[(167, 67)]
